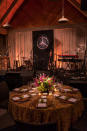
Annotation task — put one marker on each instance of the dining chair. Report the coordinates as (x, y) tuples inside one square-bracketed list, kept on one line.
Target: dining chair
[(41, 127), (6, 121), (4, 94), (81, 124)]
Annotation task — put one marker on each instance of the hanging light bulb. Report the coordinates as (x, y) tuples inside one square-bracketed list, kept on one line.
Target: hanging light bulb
[(6, 25), (63, 19)]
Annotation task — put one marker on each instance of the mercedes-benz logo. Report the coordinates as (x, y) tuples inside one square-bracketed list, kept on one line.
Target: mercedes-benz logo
[(42, 42)]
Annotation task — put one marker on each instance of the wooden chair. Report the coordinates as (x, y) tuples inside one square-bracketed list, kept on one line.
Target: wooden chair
[(6, 121), (81, 124), (4, 94), (40, 127)]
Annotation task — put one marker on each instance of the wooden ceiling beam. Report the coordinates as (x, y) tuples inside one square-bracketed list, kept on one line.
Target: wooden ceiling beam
[(3, 31), (8, 11), (16, 5), (84, 14)]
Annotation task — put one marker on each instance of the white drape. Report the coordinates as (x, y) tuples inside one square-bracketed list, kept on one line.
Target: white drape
[(20, 47), (67, 41)]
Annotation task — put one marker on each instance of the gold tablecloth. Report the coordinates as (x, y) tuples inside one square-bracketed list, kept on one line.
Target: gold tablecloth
[(58, 111)]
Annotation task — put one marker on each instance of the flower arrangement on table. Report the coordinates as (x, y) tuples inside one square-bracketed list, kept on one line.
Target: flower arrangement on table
[(44, 83)]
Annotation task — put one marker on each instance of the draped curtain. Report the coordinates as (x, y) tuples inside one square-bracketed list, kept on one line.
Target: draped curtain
[(20, 47), (67, 41)]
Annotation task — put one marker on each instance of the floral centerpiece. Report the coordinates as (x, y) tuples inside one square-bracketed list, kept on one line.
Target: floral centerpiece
[(44, 83)]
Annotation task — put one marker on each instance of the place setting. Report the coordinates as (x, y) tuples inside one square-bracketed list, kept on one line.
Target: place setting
[(33, 94), (21, 98), (42, 103), (68, 99), (75, 90), (56, 95), (20, 90)]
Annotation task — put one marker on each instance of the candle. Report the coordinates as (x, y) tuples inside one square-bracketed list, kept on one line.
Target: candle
[(55, 89), (39, 94), (50, 93)]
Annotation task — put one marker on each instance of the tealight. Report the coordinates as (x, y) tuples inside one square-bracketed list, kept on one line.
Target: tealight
[(50, 93), (55, 89), (39, 94)]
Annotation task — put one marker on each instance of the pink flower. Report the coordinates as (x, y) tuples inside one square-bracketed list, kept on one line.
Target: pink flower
[(36, 82)]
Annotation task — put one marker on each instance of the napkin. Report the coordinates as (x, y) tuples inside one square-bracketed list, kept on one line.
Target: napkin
[(33, 88), (75, 89), (31, 91), (43, 96), (16, 89), (63, 97), (42, 100), (24, 90), (56, 95), (25, 96), (42, 105), (44, 93), (67, 90), (33, 94), (16, 98), (72, 100), (54, 85)]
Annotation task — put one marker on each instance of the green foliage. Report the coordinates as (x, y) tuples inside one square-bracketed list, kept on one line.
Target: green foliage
[(45, 87)]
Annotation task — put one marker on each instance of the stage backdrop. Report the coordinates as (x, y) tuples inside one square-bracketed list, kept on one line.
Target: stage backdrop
[(67, 41), (42, 46)]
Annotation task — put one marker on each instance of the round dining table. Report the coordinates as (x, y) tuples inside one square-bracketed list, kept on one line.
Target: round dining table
[(64, 106)]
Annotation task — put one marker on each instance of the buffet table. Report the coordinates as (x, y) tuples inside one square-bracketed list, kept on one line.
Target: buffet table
[(64, 106)]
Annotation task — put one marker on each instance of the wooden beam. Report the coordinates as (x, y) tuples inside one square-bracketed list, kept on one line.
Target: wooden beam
[(8, 10), (3, 31), (84, 14)]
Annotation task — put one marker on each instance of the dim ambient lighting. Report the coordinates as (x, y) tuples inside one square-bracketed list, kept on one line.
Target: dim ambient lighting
[(63, 19)]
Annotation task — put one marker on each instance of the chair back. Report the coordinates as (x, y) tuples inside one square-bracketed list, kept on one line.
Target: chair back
[(4, 91)]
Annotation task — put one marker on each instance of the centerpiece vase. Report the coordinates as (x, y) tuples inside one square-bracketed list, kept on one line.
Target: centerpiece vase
[(47, 91)]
